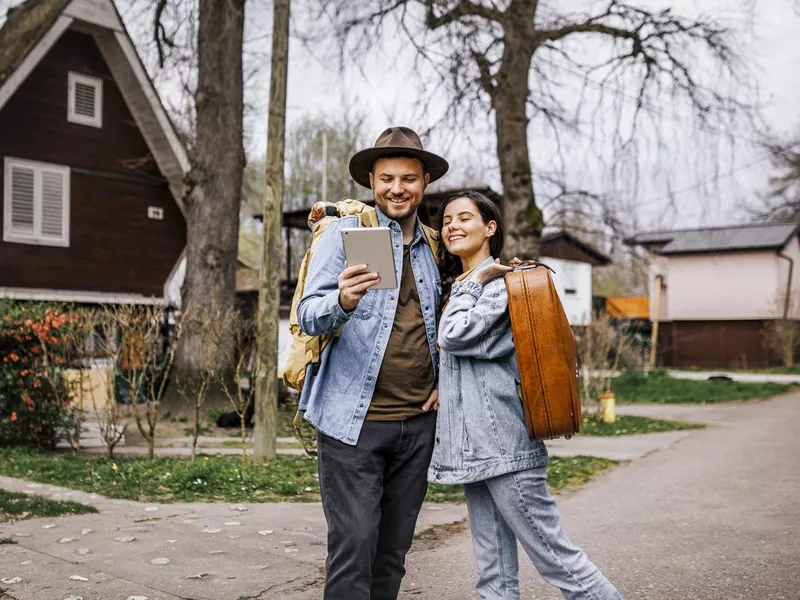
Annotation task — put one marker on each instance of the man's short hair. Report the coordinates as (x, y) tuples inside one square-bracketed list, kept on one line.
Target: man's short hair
[(401, 155)]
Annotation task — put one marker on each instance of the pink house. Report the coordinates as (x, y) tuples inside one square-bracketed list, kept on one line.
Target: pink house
[(714, 289)]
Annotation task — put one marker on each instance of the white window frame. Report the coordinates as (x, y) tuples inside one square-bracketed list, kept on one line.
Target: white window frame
[(97, 84), (36, 238)]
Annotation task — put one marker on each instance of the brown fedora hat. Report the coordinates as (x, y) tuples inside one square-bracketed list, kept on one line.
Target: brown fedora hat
[(395, 141)]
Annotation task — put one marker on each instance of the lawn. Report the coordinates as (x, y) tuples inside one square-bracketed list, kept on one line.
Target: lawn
[(658, 387), (15, 506), (219, 478), (628, 425)]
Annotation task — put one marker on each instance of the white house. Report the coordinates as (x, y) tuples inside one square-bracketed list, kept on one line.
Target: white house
[(716, 288), (572, 260)]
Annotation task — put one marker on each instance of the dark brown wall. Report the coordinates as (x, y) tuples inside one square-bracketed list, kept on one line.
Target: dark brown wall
[(114, 247), (714, 345)]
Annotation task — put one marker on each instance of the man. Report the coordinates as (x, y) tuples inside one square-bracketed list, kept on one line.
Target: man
[(372, 397)]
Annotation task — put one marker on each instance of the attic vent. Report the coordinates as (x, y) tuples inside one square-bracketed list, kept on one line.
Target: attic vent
[(85, 100)]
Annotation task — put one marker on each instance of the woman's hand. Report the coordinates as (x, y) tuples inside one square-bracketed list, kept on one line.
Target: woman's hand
[(490, 272)]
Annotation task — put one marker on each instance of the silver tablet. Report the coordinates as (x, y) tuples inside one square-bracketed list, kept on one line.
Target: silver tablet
[(371, 246)]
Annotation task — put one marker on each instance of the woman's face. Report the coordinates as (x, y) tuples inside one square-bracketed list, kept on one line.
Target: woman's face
[(463, 231)]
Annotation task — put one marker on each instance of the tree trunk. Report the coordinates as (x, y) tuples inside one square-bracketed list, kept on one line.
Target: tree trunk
[(264, 436), (523, 219), (212, 188)]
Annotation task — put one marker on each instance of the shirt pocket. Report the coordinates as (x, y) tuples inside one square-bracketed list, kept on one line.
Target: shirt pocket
[(366, 306)]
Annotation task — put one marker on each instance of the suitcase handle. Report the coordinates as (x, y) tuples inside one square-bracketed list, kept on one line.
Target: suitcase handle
[(525, 265)]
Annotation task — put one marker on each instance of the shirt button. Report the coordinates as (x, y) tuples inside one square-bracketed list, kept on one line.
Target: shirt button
[(385, 326), (437, 440), (361, 405), (391, 297)]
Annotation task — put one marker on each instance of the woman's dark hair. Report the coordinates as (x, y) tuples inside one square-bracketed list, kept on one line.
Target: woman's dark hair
[(450, 265)]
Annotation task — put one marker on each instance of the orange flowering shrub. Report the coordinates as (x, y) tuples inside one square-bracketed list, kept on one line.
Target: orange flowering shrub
[(34, 348)]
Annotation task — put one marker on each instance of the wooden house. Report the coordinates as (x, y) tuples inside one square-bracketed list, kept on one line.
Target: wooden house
[(92, 166)]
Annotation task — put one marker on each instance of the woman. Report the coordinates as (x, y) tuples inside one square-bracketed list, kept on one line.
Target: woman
[(481, 440)]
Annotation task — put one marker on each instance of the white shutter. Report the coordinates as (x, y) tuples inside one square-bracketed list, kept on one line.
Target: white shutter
[(52, 223), (35, 203), (22, 201), (84, 100)]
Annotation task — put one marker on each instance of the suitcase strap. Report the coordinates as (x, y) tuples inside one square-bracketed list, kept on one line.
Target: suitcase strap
[(525, 265)]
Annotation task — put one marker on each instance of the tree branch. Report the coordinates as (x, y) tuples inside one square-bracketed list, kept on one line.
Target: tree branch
[(463, 9)]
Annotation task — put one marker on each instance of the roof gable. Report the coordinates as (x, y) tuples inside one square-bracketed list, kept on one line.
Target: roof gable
[(33, 27), (564, 245)]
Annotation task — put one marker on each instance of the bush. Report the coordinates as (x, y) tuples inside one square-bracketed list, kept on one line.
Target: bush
[(35, 403)]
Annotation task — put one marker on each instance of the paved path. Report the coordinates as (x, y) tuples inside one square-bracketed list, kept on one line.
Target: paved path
[(215, 551), (715, 516), (737, 376)]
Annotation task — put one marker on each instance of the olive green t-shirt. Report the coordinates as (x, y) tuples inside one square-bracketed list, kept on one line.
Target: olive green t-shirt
[(405, 380)]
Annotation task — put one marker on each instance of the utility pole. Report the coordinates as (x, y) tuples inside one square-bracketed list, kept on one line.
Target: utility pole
[(270, 272)]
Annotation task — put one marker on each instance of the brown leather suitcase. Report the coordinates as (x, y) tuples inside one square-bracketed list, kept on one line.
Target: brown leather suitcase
[(546, 353)]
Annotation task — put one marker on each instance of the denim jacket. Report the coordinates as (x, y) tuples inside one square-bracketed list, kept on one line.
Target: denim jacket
[(480, 430), (336, 398)]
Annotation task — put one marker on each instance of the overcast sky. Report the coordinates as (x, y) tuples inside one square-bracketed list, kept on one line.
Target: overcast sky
[(707, 187)]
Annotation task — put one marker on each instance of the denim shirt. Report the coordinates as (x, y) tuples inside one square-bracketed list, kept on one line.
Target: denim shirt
[(336, 398), (480, 430)]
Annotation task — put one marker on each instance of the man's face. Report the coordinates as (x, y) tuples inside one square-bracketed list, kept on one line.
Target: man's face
[(398, 185)]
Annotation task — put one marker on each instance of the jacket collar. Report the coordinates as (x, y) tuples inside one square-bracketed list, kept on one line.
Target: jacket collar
[(385, 221)]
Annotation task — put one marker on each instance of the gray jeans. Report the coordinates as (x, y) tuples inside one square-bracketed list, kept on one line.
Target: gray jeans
[(371, 494), (518, 506)]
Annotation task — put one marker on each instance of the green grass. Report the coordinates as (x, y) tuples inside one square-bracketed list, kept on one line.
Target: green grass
[(628, 425), (5, 540), (562, 473), (220, 479), (658, 387), (15, 506)]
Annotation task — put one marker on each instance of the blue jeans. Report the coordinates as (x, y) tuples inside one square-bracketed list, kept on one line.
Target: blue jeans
[(518, 506)]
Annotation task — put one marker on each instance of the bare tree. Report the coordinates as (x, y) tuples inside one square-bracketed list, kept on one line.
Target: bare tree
[(600, 346), (212, 188), (511, 58), (782, 201), (782, 334), (196, 385), (147, 352), (240, 390)]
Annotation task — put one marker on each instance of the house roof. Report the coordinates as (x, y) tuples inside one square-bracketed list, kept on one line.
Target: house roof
[(628, 307), (552, 236), (25, 26), (757, 236)]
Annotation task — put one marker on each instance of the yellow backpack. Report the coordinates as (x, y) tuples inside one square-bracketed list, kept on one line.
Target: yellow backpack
[(307, 349)]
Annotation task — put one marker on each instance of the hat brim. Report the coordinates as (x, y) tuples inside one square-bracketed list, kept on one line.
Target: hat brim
[(361, 162)]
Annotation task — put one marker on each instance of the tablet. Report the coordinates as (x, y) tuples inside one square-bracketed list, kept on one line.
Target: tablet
[(371, 246)]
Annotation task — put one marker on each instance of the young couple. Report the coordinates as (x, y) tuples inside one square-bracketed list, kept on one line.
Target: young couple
[(375, 396)]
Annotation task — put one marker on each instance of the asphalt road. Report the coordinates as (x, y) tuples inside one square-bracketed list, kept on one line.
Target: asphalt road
[(714, 516)]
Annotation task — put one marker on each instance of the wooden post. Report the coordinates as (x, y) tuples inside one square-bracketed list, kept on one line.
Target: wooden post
[(264, 441), (654, 319)]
